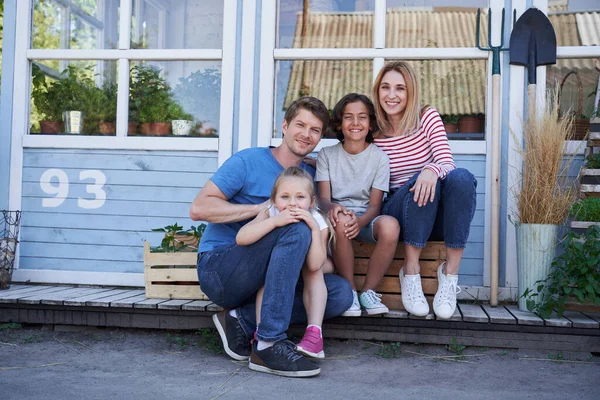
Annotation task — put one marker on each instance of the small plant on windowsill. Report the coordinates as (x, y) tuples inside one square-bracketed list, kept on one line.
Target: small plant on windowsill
[(574, 277)]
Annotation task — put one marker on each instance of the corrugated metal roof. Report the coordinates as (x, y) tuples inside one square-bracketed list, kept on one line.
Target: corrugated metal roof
[(452, 86)]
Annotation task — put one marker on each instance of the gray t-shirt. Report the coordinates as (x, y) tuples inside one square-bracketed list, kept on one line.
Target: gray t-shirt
[(352, 176)]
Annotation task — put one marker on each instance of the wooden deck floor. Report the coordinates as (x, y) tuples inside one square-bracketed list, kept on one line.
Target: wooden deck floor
[(471, 325)]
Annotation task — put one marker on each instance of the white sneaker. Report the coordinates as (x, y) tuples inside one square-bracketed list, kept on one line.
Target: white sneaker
[(354, 310), (413, 299), (372, 304), (444, 302)]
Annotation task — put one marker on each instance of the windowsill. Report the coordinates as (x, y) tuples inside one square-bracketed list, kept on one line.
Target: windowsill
[(178, 143)]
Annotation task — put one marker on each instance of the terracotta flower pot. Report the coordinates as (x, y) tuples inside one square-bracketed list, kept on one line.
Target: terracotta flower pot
[(107, 128), (155, 128), (132, 128), (52, 127), (450, 128), (469, 124)]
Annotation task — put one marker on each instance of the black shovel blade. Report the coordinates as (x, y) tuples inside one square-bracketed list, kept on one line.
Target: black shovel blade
[(533, 41)]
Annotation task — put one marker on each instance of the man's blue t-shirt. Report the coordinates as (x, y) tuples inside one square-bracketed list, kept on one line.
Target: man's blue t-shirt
[(247, 177)]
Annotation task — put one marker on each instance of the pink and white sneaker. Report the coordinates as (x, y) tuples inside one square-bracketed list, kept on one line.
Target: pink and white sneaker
[(312, 343)]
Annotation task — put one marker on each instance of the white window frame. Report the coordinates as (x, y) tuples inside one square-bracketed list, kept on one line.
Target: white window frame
[(226, 55)]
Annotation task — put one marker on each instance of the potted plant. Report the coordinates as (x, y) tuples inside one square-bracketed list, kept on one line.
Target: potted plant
[(181, 122), (152, 99), (108, 110), (199, 94), (470, 124), (450, 122), (544, 195), (573, 280)]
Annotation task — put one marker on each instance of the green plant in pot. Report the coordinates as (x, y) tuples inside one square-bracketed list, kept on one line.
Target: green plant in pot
[(199, 94), (181, 122), (152, 98), (573, 278), (177, 239), (450, 122), (544, 195), (108, 110)]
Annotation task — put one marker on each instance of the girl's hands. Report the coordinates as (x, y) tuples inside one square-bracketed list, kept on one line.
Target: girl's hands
[(424, 187), (352, 227), (306, 216), (285, 217)]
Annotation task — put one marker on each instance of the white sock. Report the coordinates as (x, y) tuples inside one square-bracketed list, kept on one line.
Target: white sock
[(261, 345), (233, 313), (318, 327)]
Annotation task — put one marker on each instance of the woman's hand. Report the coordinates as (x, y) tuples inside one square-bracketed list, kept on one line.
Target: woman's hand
[(334, 211), (352, 227), (306, 216), (284, 218), (424, 187)]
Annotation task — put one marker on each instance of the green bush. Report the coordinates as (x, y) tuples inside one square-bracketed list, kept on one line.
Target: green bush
[(575, 275), (450, 118), (593, 161), (587, 209)]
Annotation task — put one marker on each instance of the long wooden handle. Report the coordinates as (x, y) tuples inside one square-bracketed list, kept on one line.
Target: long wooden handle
[(495, 214), (531, 107)]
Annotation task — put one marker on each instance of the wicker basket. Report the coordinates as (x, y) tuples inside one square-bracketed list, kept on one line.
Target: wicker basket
[(581, 126)]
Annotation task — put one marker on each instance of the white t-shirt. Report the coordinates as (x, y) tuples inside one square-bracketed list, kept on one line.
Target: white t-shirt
[(273, 211)]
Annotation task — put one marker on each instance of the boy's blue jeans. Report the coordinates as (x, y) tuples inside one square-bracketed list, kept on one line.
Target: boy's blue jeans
[(230, 276), (447, 218)]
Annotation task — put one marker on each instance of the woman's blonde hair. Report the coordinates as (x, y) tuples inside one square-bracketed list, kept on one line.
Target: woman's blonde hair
[(412, 113), (299, 173)]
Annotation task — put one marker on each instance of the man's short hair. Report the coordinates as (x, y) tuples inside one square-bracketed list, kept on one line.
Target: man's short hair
[(311, 104)]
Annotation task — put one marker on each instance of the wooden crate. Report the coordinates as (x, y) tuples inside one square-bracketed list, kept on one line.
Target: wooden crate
[(171, 275), (431, 257)]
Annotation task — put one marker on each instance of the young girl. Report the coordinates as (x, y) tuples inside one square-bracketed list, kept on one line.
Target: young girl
[(352, 177), (293, 200)]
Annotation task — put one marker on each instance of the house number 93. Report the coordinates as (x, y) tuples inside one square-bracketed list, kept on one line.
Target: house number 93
[(60, 189)]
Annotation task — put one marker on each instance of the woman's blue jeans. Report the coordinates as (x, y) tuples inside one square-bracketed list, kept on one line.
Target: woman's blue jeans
[(231, 275), (447, 218)]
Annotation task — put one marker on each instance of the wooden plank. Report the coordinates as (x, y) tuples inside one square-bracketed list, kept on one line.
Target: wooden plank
[(473, 313), (392, 284), (590, 172), (173, 304), (499, 315), (396, 314), (106, 301), (555, 321), (14, 288), (81, 301), (178, 258), (524, 318), (593, 315), (11, 297), (214, 307), (196, 305), (58, 298), (128, 302), (185, 292), (148, 303), (171, 274), (433, 250), (457, 316), (583, 224), (37, 296), (428, 268), (580, 320)]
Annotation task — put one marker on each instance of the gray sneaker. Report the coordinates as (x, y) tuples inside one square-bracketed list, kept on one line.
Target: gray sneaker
[(354, 310), (372, 304), (282, 359)]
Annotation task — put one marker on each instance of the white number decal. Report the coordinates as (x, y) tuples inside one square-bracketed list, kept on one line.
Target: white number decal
[(60, 191), (95, 189)]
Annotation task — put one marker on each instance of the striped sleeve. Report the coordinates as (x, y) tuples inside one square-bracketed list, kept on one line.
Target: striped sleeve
[(434, 130)]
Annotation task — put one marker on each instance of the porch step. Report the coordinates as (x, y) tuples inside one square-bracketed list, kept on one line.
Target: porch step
[(472, 324)]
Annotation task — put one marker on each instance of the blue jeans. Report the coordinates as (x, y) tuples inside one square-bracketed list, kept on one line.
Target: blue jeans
[(447, 218), (230, 276)]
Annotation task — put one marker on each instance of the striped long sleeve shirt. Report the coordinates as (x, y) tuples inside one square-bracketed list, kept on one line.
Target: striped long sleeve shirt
[(427, 148)]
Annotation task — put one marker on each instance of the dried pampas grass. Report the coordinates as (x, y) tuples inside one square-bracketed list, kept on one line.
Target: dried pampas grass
[(546, 192)]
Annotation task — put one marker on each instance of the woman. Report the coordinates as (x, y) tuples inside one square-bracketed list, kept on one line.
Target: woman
[(429, 196)]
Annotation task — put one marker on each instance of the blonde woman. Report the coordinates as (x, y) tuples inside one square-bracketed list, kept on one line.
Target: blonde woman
[(429, 196)]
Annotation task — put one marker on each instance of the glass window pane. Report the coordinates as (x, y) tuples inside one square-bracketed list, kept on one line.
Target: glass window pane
[(79, 100), (576, 23), (81, 24), (328, 80), (176, 24), (178, 98), (329, 24), (434, 23), (579, 91)]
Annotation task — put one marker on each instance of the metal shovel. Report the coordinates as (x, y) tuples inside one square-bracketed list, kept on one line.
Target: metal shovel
[(532, 43)]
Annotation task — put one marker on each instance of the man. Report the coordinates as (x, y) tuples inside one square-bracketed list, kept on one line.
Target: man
[(230, 275)]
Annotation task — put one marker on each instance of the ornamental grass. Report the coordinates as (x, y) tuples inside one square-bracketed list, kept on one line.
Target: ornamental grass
[(546, 191)]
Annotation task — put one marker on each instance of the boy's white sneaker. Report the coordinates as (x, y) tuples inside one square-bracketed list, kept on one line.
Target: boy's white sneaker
[(354, 310), (413, 299), (372, 304), (444, 302)]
